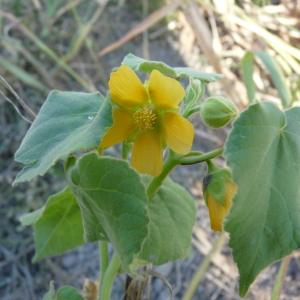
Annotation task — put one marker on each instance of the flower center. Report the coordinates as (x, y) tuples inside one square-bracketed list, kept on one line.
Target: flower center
[(145, 118)]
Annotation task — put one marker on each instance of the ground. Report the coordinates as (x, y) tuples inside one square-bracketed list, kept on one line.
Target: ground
[(19, 277)]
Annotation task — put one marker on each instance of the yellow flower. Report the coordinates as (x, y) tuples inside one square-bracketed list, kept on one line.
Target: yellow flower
[(147, 115)]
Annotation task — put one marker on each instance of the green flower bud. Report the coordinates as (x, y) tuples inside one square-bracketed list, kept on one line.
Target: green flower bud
[(216, 112)]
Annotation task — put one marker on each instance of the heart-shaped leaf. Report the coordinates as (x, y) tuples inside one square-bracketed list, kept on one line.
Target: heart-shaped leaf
[(112, 195), (263, 151)]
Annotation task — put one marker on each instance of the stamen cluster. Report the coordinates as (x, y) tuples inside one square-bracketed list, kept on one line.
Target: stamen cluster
[(145, 118)]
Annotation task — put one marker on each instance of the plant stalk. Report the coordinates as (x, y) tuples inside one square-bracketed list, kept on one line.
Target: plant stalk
[(108, 278), (200, 157), (174, 160), (157, 181), (280, 278), (104, 260), (198, 276)]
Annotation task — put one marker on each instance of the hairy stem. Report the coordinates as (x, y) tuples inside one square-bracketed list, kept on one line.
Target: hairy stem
[(157, 181), (108, 278), (280, 278), (174, 160), (104, 260), (198, 276), (191, 159)]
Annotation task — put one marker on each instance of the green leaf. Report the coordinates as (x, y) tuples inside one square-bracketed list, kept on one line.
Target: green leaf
[(189, 72), (68, 293), (67, 122), (111, 194), (59, 226), (263, 151), (277, 77), (143, 65), (247, 70), (32, 217), (172, 216), (64, 293)]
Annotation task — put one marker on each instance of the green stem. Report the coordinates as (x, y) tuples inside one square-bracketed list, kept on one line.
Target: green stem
[(104, 260), (157, 181), (280, 278), (198, 276), (200, 157), (108, 279), (174, 160)]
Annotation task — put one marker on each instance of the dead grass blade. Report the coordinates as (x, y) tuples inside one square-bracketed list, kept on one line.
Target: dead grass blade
[(142, 26)]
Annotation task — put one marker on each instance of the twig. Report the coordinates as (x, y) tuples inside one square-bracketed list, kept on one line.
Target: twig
[(142, 26), (17, 97), (146, 54), (15, 108)]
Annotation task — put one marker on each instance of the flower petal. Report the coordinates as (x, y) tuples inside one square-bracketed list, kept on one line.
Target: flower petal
[(179, 132), (165, 92), (216, 214), (217, 211), (147, 153), (123, 125), (125, 88)]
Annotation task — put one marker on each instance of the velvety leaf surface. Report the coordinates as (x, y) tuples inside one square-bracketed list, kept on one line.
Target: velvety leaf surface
[(263, 151), (111, 194), (59, 227), (67, 122), (189, 72), (172, 216), (143, 65)]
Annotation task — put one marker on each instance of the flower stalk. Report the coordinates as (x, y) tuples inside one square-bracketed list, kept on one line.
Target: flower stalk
[(173, 160)]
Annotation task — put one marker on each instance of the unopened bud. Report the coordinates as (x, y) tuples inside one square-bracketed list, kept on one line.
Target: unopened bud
[(218, 190), (216, 112)]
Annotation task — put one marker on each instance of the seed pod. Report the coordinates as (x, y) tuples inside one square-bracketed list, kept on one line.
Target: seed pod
[(216, 112), (218, 190)]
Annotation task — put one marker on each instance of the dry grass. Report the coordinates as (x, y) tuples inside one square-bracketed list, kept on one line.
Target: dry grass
[(72, 45)]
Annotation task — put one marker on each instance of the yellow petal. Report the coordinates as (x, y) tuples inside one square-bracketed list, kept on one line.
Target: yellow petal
[(165, 92), (216, 214), (125, 88), (179, 132), (123, 125), (218, 211), (147, 153)]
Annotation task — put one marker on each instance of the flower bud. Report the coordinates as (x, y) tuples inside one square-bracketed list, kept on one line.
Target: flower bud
[(216, 112), (218, 190)]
